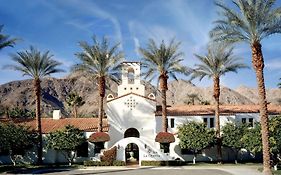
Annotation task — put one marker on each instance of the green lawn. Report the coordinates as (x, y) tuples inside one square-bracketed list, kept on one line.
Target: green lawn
[(278, 172)]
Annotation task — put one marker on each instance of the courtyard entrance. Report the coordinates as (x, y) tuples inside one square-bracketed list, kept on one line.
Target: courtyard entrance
[(132, 149), (132, 154)]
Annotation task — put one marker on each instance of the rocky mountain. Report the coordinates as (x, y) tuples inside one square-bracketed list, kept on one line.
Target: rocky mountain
[(273, 95), (54, 93), (184, 92)]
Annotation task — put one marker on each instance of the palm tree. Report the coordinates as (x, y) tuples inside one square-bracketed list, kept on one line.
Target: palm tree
[(5, 40), (101, 62), (219, 61), (192, 98), (73, 100), (162, 61), (253, 21), (37, 65)]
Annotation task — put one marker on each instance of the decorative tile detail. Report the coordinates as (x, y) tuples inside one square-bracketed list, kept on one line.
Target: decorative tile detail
[(131, 103)]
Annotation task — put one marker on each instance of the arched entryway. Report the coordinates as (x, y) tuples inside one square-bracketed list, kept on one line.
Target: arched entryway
[(132, 154), (132, 149), (131, 132)]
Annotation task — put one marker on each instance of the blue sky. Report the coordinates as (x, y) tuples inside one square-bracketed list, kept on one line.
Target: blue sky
[(58, 26)]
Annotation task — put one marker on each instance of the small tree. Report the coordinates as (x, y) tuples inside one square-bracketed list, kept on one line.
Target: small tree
[(66, 140), (191, 98), (232, 134), (73, 100), (195, 137), (20, 113), (252, 140), (275, 139), (16, 140)]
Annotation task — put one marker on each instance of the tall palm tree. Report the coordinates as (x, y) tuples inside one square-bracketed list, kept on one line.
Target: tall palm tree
[(37, 65), (162, 61), (219, 61), (5, 40), (101, 62), (250, 22)]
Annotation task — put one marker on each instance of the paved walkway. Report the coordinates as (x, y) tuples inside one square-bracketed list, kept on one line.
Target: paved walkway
[(234, 170), (136, 170)]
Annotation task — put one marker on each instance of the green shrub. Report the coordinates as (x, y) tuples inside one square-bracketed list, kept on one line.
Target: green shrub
[(21, 113), (103, 163), (163, 163), (118, 163)]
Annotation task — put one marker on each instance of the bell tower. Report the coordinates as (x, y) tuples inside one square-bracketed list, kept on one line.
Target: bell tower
[(131, 82)]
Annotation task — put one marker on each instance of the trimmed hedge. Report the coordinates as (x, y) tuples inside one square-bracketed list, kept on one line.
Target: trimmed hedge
[(118, 163), (163, 163), (102, 163)]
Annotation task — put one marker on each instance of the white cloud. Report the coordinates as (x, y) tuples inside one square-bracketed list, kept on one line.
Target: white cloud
[(89, 9), (80, 25), (137, 45), (274, 64), (92, 9)]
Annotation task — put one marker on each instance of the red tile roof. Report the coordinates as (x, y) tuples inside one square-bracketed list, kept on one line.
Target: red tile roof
[(49, 124), (188, 110)]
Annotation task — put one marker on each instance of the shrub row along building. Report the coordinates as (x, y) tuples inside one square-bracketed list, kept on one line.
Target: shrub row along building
[(134, 121)]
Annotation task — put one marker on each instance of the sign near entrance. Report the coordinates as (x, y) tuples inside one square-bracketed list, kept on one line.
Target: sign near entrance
[(151, 154)]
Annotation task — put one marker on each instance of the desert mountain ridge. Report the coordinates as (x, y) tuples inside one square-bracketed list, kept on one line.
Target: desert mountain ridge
[(54, 93)]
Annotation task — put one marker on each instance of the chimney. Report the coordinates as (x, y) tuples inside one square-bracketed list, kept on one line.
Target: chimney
[(56, 115)]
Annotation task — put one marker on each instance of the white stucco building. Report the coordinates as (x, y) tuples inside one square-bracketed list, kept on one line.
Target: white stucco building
[(134, 120)]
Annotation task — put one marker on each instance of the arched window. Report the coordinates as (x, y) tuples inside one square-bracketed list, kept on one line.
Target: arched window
[(151, 96), (131, 132), (131, 76), (110, 96)]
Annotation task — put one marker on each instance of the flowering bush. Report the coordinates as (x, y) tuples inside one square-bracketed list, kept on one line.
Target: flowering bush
[(165, 137), (99, 137), (109, 155)]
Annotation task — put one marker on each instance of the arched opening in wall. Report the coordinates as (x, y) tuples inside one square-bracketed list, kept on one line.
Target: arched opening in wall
[(151, 96), (132, 154), (131, 76), (110, 97), (131, 132)]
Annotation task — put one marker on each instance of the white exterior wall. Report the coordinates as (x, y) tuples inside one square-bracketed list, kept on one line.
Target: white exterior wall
[(122, 116), (209, 154), (126, 87)]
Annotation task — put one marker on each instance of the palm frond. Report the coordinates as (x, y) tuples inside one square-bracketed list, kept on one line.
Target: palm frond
[(251, 21), (35, 64), (99, 59), (219, 61), (162, 59), (5, 40)]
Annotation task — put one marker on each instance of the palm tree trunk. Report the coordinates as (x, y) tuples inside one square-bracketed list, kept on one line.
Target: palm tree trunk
[(37, 91), (75, 111), (258, 64), (164, 87), (101, 99), (217, 116)]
